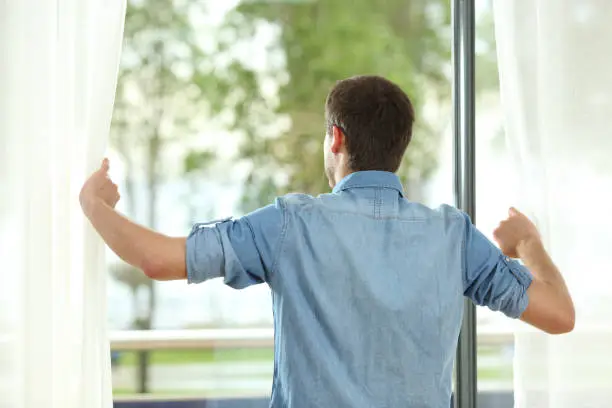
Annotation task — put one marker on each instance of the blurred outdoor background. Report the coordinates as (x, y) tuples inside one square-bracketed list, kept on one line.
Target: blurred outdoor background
[(219, 109)]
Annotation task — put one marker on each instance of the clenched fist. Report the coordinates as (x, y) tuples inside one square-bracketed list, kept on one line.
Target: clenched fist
[(517, 229), (99, 188)]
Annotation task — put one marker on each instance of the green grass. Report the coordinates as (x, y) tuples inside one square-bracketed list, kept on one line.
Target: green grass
[(178, 357), (484, 374), (488, 351), (127, 393), (175, 357), (128, 358), (496, 374)]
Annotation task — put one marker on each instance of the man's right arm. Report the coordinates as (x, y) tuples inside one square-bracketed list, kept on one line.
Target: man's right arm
[(550, 306), (534, 292)]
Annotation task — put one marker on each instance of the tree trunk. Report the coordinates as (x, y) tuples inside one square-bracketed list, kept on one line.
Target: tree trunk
[(146, 323), (154, 148)]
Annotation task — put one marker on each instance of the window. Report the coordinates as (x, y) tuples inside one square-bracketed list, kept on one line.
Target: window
[(219, 109)]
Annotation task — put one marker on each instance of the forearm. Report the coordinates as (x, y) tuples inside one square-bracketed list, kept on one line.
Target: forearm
[(536, 259), (154, 253), (550, 304)]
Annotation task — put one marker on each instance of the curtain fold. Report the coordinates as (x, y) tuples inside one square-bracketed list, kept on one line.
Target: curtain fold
[(555, 71), (57, 85)]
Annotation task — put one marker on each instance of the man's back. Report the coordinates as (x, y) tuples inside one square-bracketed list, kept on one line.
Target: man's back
[(367, 289), (368, 300)]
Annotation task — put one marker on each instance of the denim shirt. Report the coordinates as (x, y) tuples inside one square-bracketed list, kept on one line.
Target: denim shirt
[(367, 289)]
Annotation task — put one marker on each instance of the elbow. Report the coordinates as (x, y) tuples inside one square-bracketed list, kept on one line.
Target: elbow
[(565, 323), (569, 322), (562, 327), (152, 269), (550, 308), (165, 267), (156, 268), (166, 261)]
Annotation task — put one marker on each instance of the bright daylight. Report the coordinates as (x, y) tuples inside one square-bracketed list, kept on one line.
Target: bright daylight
[(305, 203)]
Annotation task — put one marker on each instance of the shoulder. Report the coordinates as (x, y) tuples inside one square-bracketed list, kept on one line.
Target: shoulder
[(268, 216), (295, 201), (451, 213), (275, 212), (454, 219), (446, 217), (443, 212)]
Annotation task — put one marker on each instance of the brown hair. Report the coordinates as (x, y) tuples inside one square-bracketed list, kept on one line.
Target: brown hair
[(376, 117)]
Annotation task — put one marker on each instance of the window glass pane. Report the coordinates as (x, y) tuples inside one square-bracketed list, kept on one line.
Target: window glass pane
[(493, 198), (219, 109)]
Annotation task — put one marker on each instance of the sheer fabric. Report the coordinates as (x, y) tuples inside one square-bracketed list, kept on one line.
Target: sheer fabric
[(57, 82), (556, 74)]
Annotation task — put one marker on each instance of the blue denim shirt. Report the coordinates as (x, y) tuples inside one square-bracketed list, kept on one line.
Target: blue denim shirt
[(367, 289)]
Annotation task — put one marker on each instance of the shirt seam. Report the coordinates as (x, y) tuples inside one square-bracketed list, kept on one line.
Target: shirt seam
[(389, 186), (336, 213), (375, 204), (331, 212), (252, 229), (464, 265), (281, 239)]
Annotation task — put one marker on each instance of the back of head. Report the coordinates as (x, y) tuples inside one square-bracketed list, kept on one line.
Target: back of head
[(376, 117)]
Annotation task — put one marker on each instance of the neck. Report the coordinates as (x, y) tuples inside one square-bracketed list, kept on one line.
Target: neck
[(341, 173)]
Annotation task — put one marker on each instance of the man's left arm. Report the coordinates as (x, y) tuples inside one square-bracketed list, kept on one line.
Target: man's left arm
[(159, 256), (242, 251)]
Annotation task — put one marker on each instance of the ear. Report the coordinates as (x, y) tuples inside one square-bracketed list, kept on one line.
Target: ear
[(337, 139)]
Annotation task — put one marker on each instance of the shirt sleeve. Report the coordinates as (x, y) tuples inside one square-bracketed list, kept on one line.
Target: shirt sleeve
[(490, 278), (243, 251)]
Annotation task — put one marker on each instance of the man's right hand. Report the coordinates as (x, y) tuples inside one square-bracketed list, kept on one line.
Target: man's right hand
[(515, 231)]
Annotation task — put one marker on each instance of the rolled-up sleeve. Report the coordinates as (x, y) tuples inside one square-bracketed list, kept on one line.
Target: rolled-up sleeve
[(490, 278), (242, 251)]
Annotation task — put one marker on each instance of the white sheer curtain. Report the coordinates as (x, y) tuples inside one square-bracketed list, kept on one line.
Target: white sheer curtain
[(57, 82), (555, 62)]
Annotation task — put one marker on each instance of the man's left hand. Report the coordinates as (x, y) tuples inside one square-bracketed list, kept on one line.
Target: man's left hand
[(99, 188)]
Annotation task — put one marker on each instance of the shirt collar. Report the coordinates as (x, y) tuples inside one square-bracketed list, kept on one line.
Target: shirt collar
[(369, 179)]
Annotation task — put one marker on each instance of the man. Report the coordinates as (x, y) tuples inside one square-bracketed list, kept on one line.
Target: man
[(367, 286)]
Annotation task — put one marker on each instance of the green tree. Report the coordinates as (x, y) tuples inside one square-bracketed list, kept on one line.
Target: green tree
[(487, 78), (319, 43), (157, 104), (195, 166)]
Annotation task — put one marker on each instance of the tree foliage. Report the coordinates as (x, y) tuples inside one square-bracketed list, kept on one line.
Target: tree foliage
[(158, 102), (321, 42)]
